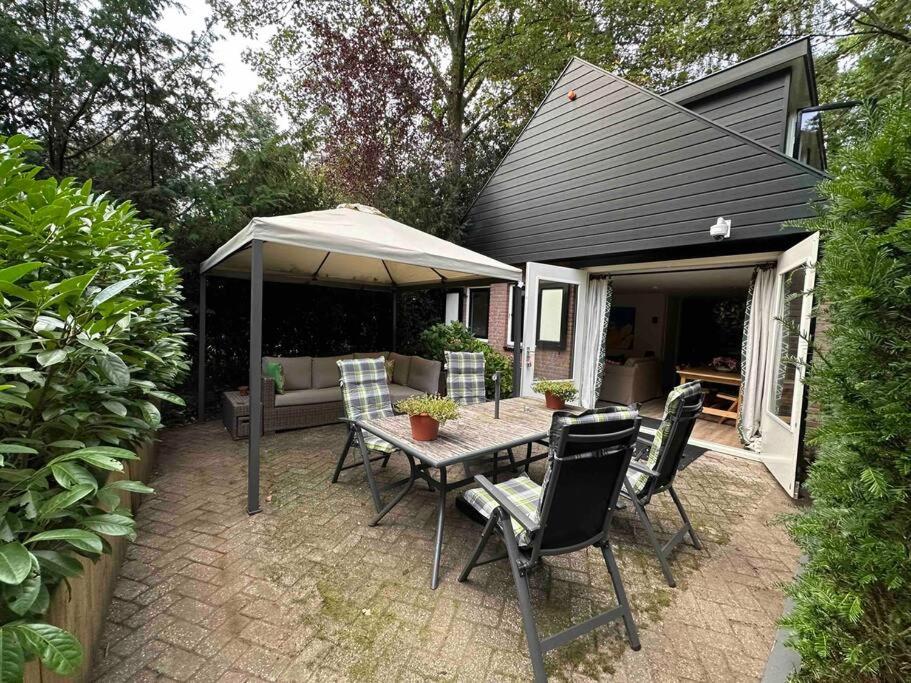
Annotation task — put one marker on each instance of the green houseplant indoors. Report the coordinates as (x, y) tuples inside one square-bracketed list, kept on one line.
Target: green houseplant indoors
[(90, 333), (427, 413), (556, 391)]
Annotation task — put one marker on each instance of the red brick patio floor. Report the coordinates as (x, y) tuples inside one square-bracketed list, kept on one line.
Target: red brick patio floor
[(307, 591)]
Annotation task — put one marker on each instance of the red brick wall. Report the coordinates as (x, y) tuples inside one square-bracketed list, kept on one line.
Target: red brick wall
[(498, 317)]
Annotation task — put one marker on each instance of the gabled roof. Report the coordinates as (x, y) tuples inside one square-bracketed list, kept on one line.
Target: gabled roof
[(796, 56), (620, 168)]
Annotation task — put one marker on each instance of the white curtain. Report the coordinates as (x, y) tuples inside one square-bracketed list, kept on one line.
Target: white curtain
[(758, 328), (592, 360)]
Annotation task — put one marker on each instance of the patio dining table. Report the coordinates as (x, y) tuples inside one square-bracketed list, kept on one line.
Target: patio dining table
[(476, 433)]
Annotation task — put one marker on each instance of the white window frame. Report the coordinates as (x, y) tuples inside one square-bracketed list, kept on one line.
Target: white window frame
[(510, 291)]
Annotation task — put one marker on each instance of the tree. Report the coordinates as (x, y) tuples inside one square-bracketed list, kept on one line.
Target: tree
[(852, 613), (108, 94), (406, 89)]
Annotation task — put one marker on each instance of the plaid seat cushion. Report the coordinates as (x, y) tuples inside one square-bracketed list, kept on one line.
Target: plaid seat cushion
[(365, 394), (522, 491), (676, 395), (465, 377), (564, 418)]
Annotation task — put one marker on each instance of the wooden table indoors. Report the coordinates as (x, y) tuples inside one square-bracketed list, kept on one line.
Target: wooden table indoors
[(712, 376)]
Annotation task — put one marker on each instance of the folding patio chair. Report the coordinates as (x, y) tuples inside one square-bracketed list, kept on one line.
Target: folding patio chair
[(365, 395), (656, 465), (588, 458), (465, 385)]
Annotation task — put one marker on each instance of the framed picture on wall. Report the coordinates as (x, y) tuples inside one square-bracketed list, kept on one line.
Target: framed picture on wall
[(621, 327)]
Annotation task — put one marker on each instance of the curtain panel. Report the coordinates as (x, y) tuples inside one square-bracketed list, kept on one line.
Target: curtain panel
[(758, 329), (597, 313)]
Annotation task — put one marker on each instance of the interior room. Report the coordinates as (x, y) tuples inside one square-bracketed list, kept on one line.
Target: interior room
[(665, 323)]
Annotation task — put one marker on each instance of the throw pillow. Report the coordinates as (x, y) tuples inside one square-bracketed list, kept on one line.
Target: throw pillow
[(276, 373), (390, 368)]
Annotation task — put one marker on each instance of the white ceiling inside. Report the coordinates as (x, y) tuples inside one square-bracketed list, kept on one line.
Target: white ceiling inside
[(686, 282)]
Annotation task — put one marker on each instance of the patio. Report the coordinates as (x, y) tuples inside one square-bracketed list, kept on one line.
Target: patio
[(307, 591)]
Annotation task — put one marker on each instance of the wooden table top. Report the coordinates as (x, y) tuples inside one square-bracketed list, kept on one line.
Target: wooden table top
[(473, 434), (710, 375)]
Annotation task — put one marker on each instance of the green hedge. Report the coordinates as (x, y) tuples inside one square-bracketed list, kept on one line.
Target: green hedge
[(852, 615), (90, 334)]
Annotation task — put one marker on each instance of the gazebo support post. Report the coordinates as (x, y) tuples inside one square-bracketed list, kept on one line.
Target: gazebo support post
[(256, 384), (518, 325), (395, 320), (201, 353)]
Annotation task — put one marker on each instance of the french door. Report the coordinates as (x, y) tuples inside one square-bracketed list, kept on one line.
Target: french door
[(553, 331), (782, 414)]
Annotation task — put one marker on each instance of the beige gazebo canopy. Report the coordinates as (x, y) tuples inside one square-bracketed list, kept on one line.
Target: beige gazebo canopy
[(349, 246), (352, 245)]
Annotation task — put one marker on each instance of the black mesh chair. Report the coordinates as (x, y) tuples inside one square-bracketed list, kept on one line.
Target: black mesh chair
[(656, 465), (588, 458)]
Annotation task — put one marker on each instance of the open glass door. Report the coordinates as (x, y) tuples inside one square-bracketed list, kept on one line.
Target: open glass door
[(553, 295), (783, 413)]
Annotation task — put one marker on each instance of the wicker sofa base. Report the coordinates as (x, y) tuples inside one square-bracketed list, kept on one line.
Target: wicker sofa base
[(298, 417)]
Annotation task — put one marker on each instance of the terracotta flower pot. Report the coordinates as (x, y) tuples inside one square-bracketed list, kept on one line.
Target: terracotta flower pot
[(553, 402), (424, 428)]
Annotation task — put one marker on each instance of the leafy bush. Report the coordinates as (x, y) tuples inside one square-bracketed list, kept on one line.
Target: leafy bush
[(89, 332), (852, 612), (440, 408), (561, 388), (456, 337)]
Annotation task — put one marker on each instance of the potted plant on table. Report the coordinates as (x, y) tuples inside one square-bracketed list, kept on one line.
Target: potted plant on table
[(556, 392), (427, 413)]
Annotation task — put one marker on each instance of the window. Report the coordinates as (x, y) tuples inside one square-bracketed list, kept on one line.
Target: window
[(478, 311), (552, 315), (453, 299), (790, 309)]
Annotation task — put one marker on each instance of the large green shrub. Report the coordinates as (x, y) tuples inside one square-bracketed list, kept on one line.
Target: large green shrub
[(456, 337), (89, 334), (852, 615)]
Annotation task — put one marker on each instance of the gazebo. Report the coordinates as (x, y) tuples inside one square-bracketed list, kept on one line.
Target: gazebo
[(352, 246)]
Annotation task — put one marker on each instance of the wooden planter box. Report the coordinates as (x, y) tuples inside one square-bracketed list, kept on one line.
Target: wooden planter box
[(82, 610)]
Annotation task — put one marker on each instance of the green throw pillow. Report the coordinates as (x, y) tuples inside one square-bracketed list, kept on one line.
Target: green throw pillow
[(276, 373)]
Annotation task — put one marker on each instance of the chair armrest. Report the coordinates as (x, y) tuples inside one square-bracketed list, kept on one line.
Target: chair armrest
[(642, 468), (514, 511), (268, 393)]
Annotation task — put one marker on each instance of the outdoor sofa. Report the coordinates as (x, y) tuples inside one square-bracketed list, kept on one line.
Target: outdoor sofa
[(312, 393)]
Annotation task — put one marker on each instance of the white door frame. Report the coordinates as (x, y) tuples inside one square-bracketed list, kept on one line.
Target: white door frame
[(781, 440), (535, 274)]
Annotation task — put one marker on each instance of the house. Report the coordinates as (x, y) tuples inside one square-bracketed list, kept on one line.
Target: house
[(674, 207)]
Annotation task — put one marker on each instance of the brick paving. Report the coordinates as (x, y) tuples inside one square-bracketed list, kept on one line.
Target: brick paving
[(306, 591)]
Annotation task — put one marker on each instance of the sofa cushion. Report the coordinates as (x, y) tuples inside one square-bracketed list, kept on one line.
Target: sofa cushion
[(401, 367), (399, 392), (371, 354), (306, 397), (297, 372), (424, 374), (325, 371)]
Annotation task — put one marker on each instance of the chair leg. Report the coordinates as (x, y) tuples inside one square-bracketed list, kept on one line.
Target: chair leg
[(386, 460), (344, 454), (632, 633), (371, 482), (479, 548), (528, 618), (686, 520), (650, 532), (512, 460), (527, 458)]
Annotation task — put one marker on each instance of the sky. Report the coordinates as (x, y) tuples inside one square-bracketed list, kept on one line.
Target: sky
[(236, 78)]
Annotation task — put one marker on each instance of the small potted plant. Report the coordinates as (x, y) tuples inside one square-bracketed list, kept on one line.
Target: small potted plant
[(556, 392), (427, 413)]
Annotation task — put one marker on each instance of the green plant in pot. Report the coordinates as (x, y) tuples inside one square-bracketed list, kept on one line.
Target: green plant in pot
[(556, 391), (427, 413)]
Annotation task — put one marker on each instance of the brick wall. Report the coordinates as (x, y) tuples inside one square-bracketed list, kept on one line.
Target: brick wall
[(498, 318)]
